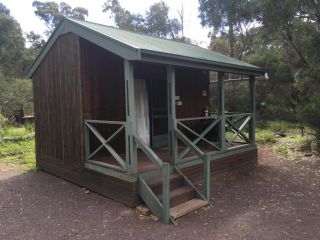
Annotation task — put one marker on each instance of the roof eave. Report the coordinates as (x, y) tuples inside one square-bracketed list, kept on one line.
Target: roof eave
[(157, 57)]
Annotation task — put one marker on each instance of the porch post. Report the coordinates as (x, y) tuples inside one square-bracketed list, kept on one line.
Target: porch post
[(221, 112), (252, 123), (131, 148), (172, 122)]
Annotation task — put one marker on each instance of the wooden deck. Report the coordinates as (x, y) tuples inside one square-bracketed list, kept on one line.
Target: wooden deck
[(144, 163)]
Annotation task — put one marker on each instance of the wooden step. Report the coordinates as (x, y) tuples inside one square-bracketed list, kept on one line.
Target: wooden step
[(180, 195), (187, 207), (156, 183)]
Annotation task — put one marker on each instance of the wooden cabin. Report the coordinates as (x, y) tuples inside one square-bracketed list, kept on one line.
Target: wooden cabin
[(125, 115)]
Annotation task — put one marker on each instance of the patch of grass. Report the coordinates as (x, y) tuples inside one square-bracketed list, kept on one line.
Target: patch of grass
[(264, 137), (18, 153), (282, 150), (14, 132), (29, 127), (279, 125)]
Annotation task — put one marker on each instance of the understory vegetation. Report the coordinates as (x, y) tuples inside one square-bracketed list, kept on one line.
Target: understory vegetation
[(17, 146), (289, 140)]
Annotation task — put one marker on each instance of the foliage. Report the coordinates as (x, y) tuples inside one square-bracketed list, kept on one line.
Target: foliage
[(36, 40), (231, 18), (282, 149), (52, 13), (155, 21), (19, 154), (29, 127), (15, 94), (278, 125), (309, 112), (11, 45), (265, 136)]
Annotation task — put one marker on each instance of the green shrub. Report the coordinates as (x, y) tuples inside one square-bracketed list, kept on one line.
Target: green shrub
[(279, 125), (265, 137), (29, 127), (305, 145), (309, 112)]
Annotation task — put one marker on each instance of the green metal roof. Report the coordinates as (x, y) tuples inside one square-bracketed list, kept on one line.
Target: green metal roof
[(154, 44), (141, 47)]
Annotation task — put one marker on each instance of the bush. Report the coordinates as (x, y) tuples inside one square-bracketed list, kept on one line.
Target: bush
[(29, 127), (309, 112), (279, 125), (265, 137)]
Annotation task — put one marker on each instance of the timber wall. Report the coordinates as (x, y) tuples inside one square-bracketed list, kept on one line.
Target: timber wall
[(59, 102)]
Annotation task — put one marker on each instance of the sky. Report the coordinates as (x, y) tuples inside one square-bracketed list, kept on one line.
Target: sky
[(23, 12)]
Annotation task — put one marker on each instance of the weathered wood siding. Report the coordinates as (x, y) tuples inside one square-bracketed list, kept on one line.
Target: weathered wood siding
[(60, 95), (223, 165), (190, 84), (58, 105), (102, 74)]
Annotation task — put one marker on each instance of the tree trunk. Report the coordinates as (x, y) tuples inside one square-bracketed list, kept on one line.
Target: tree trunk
[(231, 40)]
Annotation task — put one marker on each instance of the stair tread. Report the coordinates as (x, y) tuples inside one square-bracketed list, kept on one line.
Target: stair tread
[(158, 180), (178, 191), (187, 207)]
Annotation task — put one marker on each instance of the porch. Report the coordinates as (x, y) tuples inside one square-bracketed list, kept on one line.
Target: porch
[(179, 139)]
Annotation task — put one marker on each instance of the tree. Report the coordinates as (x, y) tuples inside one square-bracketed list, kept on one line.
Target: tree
[(11, 45), (155, 22), (36, 40), (158, 22), (229, 18), (4, 11), (52, 13)]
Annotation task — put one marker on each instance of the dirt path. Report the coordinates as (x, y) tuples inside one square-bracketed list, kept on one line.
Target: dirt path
[(276, 200)]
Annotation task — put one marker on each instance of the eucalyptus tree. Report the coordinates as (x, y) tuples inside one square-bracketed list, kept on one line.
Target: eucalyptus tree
[(229, 18), (155, 21), (51, 13)]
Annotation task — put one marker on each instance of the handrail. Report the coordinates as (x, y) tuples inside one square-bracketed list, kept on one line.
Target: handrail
[(146, 193), (105, 121), (206, 162), (196, 118), (237, 114), (148, 151), (199, 136)]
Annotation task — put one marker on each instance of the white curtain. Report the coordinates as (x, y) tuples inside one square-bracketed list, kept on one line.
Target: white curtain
[(142, 110)]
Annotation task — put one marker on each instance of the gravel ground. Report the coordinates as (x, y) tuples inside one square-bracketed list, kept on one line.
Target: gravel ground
[(278, 199)]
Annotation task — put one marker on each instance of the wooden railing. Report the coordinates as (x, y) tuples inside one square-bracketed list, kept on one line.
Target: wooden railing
[(199, 136), (235, 124), (105, 143), (162, 209), (206, 165)]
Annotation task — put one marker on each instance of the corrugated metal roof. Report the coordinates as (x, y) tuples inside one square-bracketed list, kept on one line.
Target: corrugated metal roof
[(164, 46)]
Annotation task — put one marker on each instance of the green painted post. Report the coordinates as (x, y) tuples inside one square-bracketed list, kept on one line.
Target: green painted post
[(221, 112), (252, 123), (206, 176), (131, 147), (86, 140), (166, 193), (172, 122)]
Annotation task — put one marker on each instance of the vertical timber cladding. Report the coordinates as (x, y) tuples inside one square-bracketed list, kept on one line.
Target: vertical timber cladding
[(192, 91), (58, 105), (103, 82)]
